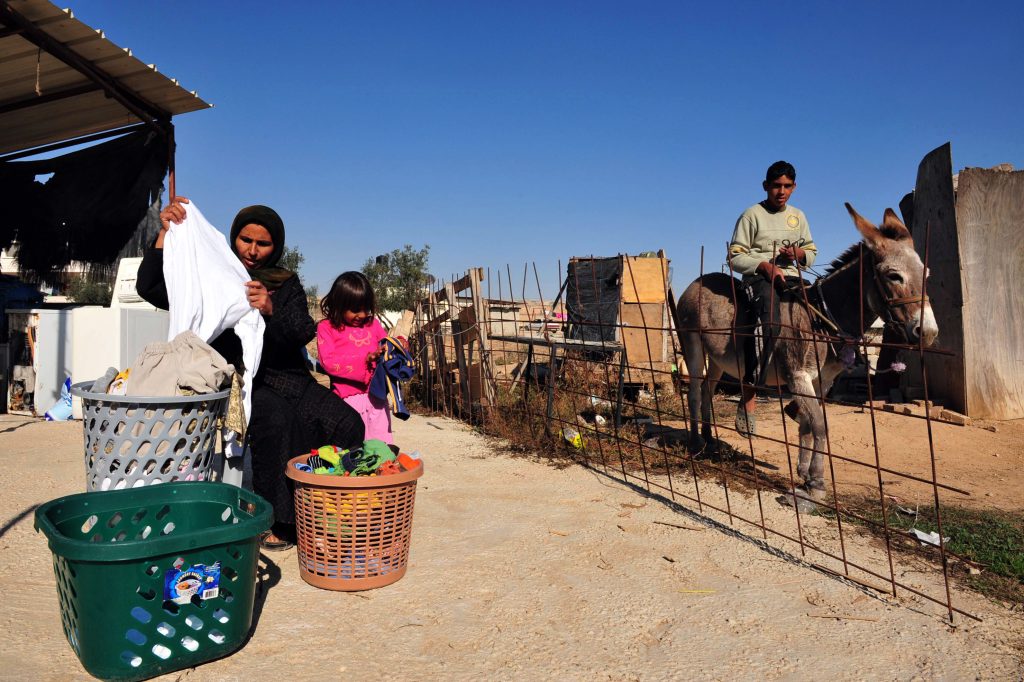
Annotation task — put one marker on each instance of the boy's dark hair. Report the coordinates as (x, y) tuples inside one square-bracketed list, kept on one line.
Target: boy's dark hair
[(778, 169), (350, 291)]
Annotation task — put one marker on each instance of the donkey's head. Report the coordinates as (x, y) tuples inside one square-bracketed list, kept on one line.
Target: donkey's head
[(896, 293)]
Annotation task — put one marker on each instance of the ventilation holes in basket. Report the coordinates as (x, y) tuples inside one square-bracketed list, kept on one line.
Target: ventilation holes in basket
[(144, 533), (119, 537), (132, 466), (135, 637), (139, 515), (175, 427), (221, 616), (119, 427), (146, 593), (166, 629), (225, 515), (194, 622), (162, 447), (192, 424), (216, 636), (108, 447), (115, 465), (162, 651), (126, 448), (89, 523), (148, 467), (206, 423), (227, 595), (168, 529), (158, 427), (168, 464), (183, 464), (131, 658), (144, 447), (164, 511), (142, 615), (170, 607), (189, 643)]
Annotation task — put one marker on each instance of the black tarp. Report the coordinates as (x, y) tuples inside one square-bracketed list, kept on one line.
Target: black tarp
[(592, 295), (88, 210)]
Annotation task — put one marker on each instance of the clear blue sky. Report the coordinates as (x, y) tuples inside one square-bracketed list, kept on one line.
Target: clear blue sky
[(506, 133)]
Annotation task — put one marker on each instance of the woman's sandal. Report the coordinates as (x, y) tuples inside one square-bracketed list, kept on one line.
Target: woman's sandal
[(272, 543)]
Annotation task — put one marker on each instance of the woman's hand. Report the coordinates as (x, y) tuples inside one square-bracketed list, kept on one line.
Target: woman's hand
[(259, 297), (173, 212)]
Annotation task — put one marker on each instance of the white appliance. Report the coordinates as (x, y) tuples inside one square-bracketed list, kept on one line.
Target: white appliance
[(83, 341)]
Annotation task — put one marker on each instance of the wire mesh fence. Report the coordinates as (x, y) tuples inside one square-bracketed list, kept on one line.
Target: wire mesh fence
[(595, 374)]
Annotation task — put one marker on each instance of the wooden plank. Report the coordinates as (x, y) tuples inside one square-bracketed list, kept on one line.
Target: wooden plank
[(433, 325), (934, 206), (644, 280), (644, 333), (486, 359), (989, 215)]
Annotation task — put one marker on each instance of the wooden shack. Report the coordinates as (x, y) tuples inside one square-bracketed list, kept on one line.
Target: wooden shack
[(623, 300), (976, 261)]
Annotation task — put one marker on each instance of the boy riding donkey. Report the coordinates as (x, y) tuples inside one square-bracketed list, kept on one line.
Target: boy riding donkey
[(772, 240)]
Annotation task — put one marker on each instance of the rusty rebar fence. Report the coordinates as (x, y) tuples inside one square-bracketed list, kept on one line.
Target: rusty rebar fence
[(595, 374)]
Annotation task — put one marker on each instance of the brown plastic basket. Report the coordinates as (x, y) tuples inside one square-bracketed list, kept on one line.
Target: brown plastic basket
[(353, 531)]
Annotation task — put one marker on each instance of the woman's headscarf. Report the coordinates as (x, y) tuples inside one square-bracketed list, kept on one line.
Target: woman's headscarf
[(270, 275)]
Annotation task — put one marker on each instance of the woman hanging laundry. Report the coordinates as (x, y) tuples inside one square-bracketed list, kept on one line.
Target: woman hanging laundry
[(291, 412)]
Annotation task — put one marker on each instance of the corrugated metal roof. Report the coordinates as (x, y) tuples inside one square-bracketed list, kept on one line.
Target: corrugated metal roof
[(45, 100)]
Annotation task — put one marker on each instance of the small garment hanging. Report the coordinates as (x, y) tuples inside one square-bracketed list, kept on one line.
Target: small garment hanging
[(207, 295), (394, 366)]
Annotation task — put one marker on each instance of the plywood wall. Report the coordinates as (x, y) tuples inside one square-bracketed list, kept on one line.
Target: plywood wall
[(990, 220), (935, 229)]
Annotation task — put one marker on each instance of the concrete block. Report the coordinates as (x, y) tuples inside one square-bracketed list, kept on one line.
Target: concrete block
[(954, 418)]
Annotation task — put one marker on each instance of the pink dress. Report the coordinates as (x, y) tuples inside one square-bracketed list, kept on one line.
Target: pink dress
[(343, 354)]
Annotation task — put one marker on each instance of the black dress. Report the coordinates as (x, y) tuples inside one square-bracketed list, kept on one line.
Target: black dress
[(291, 412)]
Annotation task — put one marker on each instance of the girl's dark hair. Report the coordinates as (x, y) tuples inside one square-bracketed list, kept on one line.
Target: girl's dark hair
[(350, 291)]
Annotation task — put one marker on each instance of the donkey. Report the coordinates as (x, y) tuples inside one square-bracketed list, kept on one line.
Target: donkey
[(712, 326)]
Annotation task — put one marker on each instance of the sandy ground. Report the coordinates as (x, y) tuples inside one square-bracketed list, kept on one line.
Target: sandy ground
[(522, 570), (983, 459)]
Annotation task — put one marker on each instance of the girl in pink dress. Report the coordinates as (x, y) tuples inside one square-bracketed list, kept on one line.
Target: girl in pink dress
[(348, 342)]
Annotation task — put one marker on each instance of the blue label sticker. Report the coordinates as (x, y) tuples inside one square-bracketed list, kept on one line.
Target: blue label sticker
[(181, 585)]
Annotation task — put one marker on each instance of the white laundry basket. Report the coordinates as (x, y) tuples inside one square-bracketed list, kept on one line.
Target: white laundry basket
[(132, 441)]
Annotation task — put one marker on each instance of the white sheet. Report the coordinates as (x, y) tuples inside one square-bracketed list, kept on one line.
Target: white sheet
[(206, 291)]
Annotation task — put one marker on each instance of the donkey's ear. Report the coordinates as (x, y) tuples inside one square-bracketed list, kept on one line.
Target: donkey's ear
[(870, 233), (893, 227)]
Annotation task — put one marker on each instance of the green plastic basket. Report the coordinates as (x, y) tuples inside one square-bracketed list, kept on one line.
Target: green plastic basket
[(155, 579)]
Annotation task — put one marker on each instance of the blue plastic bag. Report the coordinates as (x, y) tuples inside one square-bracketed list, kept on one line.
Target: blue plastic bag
[(61, 410)]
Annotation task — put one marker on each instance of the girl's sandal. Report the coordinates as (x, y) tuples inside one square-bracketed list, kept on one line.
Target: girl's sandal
[(272, 543)]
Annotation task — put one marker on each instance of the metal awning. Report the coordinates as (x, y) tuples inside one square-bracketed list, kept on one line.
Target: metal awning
[(61, 80)]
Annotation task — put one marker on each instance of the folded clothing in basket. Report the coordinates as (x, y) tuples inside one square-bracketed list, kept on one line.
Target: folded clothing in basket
[(185, 365)]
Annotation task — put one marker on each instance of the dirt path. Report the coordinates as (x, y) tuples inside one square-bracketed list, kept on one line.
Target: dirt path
[(521, 570)]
